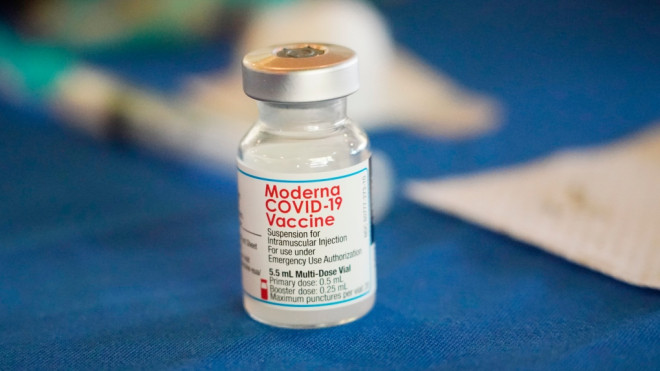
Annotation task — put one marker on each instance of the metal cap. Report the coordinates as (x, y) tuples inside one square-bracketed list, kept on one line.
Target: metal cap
[(300, 72)]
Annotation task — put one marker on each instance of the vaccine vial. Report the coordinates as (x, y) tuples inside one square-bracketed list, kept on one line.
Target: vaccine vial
[(307, 249)]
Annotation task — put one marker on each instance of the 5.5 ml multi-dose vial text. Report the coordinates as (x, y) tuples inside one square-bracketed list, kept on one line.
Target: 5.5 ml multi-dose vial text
[(307, 249)]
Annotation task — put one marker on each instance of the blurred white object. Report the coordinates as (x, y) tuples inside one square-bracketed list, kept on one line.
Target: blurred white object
[(598, 207), (395, 87), (383, 185)]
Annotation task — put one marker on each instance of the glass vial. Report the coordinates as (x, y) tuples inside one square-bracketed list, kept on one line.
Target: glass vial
[(307, 250)]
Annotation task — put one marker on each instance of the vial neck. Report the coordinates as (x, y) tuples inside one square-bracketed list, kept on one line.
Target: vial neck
[(303, 117)]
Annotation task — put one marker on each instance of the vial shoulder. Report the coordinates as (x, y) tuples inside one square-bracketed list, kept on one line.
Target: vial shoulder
[(316, 151)]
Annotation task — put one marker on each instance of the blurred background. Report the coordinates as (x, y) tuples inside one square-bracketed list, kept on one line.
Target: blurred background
[(118, 227), (505, 74)]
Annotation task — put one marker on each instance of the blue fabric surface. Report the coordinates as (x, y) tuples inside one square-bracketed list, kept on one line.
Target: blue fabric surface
[(115, 258)]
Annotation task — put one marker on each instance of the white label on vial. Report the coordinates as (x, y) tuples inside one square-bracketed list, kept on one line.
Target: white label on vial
[(306, 239)]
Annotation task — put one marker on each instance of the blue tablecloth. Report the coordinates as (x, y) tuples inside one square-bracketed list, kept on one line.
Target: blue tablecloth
[(111, 257)]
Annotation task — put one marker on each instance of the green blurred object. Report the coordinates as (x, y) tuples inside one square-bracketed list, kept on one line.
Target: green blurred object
[(30, 67)]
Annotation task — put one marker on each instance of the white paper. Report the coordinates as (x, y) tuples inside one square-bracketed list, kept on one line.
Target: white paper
[(597, 207)]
